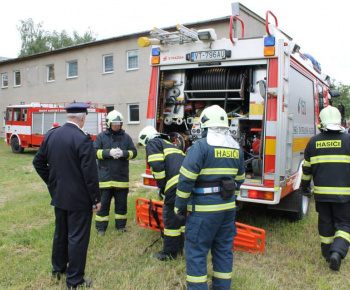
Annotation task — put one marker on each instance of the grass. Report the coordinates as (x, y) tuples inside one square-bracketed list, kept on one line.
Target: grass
[(292, 258)]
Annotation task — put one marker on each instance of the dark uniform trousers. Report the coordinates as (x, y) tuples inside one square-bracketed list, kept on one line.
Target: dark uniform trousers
[(120, 196), (173, 236), (334, 227), (74, 226)]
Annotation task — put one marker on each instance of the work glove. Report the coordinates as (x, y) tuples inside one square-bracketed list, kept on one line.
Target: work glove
[(181, 214), (119, 153), (305, 191), (113, 153), (160, 193)]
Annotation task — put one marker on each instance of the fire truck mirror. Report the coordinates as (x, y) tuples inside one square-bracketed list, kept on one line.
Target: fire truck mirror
[(262, 88)]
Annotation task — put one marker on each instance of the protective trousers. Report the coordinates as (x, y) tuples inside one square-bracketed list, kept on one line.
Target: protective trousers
[(209, 231), (334, 227), (70, 244), (120, 208), (173, 237)]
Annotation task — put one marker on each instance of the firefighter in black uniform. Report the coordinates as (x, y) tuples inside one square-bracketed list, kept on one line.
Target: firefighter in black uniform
[(327, 163), (66, 162), (114, 148), (165, 160)]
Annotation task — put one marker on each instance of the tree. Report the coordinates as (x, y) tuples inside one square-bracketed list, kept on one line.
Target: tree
[(343, 99), (36, 40)]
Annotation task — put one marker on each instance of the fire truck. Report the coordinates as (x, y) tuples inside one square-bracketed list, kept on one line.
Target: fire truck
[(26, 125), (271, 92)]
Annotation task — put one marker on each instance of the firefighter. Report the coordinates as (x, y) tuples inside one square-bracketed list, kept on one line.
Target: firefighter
[(165, 160), (327, 163), (210, 177), (66, 163), (114, 148)]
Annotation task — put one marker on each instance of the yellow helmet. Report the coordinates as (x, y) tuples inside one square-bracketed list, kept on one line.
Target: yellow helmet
[(331, 119), (114, 118), (213, 116), (147, 134)]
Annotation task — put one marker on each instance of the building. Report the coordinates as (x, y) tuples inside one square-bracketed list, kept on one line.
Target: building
[(114, 71)]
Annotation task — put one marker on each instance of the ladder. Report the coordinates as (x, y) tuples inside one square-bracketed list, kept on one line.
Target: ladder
[(180, 36)]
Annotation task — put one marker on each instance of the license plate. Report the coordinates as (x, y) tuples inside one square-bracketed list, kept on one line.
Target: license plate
[(208, 55)]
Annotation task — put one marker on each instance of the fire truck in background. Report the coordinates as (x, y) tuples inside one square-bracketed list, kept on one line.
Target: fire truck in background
[(26, 125), (271, 92)]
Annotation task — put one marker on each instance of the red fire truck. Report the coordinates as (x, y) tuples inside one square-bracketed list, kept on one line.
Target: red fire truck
[(26, 125), (271, 92)]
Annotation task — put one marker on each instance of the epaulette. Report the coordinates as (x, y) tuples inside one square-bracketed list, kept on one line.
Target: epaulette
[(53, 128)]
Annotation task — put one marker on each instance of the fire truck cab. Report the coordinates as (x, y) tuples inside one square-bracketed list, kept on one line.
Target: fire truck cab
[(26, 125), (271, 92)]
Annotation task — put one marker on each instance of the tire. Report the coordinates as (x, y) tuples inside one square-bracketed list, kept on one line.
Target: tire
[(16, 148), (294, 206)]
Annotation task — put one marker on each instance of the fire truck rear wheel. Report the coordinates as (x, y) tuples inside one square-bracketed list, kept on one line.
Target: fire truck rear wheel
[(16, 147)]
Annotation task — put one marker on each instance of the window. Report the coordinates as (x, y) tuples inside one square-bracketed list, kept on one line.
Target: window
[(24, 115), (50, 73), (133, 60), (16, 78), (133, 114), (9, 115), (108, 63), (72, 69), (17, 114), (4, 80)]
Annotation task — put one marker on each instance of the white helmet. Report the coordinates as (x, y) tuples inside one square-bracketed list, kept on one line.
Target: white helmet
[(114, 118), (213, 116), (331, 119), (147, 134)]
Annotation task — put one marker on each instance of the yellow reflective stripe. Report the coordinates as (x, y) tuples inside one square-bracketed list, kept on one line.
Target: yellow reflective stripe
[(236, 192), (222, 275), (120, 216), (215, 207), (171, 182), (131, 154), (332, 190), (99, 153), (182, 194), (196, 279), (306, 177), (182, 229), (342, 234), (240, 177), (326, 240), (306, 163), (101, 218), (159, 175), (218, 171), (172, 233), (330, 158), (106, 184), (155, 157), (168, 151), (187, 173)]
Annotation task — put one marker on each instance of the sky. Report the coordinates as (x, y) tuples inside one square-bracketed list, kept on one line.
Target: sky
[(319, 27)]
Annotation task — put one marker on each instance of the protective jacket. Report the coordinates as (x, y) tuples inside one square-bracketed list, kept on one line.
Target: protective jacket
[(165, 161), (114, 172), (327, 162), (206, 164)]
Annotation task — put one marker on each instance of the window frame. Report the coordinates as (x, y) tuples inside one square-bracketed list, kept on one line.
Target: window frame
[(128, 62), (104, 63), (2, 80), (131, 122), (48, 66), (68, 65), (15, 84)]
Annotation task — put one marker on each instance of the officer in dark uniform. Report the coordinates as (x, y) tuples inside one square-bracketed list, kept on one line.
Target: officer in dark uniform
[(327, 163), (165, 160), (66, 162), (210, 177), (114, 148)]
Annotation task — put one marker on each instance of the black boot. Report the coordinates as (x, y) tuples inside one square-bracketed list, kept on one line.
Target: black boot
[(86, 283), (164, 256), (335, 261)]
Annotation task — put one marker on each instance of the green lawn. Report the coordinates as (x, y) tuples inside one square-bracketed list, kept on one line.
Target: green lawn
[(292, 258)]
